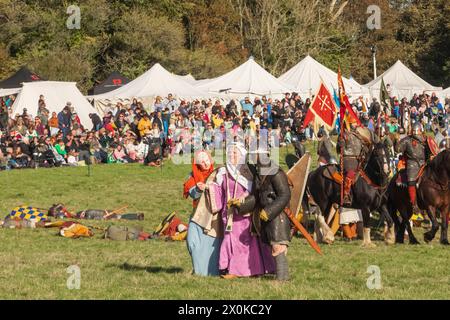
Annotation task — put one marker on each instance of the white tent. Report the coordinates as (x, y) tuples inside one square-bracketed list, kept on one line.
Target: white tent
[(247, 79), (188, 78), (445, 94), (403, 82), (306, 76), (157, 81), (8, 92), (56, 95)]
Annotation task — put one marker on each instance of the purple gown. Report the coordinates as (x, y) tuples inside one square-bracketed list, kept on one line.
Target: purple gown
[(240, 253)]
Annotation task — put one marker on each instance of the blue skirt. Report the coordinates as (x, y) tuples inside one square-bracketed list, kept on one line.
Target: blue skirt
[(204, 251)]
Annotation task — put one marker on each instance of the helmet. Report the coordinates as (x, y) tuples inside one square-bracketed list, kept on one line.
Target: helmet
[(320, 133), (333, 160), (443, 144), (417, 128)]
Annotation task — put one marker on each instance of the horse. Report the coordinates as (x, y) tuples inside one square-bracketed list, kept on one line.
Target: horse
[(433, 196), (368, 191)]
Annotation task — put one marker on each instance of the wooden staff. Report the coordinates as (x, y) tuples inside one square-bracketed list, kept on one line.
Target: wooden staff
[(303, 231), (109, 214)]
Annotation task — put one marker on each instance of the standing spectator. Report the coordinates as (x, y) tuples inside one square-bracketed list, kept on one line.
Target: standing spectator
[(64, 119), (144, 124), (53, 124), (171, 103), (247, 106), (96, 121)]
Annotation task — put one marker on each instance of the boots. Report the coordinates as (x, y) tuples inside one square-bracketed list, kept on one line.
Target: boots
[(347, 231), (412, 198), (353, 232), (282, 272), (412, 194)]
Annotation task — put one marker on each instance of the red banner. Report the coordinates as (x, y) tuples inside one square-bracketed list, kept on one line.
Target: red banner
[(324, 108)]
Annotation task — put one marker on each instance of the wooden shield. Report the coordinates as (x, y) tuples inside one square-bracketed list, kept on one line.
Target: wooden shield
[(433, 146), (298, 176)]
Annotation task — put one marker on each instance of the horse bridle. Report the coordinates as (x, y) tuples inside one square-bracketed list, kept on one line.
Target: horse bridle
[(362, 171)]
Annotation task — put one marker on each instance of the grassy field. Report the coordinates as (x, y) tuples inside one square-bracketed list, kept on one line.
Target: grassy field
[(34, 262)]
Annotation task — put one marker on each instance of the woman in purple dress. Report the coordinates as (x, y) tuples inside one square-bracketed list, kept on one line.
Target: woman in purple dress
[(242, 254)]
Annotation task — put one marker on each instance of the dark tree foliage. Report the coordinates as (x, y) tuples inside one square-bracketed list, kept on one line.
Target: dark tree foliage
[(209, 37)]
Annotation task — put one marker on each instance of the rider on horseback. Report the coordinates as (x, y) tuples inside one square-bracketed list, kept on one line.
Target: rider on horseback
[(414, 151), (356, 148), (324, 149)]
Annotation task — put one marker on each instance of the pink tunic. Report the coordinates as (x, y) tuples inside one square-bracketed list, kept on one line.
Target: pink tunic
[(240, 253)]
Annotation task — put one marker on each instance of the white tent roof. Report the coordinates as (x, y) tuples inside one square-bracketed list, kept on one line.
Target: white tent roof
[(8, 92), (188, 78), (56, 95), (403, 82), (157, 81), (305, 77), (445, 93), (247, 79)]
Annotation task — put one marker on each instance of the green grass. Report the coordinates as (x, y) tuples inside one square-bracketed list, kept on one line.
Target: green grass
[(34, 261)]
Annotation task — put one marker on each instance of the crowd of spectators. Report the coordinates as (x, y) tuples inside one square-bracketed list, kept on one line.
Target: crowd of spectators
[(134, 133)]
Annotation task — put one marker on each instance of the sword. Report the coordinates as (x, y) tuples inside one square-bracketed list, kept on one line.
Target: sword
[(303, 231)]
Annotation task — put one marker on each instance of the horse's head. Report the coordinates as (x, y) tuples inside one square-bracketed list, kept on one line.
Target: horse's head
[(379, 162), (441, 163)]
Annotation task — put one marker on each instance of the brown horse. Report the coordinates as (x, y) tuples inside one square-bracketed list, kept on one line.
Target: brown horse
[(433, 196)]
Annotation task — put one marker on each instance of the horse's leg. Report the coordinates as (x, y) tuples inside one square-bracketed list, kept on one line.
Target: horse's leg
[(429, 236), (389, 232), (393, 215), (306, 210), (327, 233), (400, 237), (367, 243), (412, 238), (444, 226)]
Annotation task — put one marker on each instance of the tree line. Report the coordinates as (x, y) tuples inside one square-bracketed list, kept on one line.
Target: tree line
[(210, 37)]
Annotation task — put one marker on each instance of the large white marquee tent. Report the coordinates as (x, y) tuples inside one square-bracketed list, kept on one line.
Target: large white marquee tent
[(188, 78), (402, 81), (56, 95), (157, 81), (8, 92), (248, 79), (305, 78)]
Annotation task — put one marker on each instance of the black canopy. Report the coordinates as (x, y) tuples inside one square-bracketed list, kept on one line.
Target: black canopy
[(114, 81), (22, 75)]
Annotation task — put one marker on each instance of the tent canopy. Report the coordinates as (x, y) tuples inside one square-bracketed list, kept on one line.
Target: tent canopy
[(113, 81), (8, 92), (155, 82), (306, 76), (16, 80), (445, 93), (247, 79), (56, 95), (402, 81), (188, 78)]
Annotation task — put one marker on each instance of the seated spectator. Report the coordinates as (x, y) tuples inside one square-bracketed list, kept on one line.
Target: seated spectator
[(21, 159), (72, 158), (153, 158), (120, 155), (61, 148)]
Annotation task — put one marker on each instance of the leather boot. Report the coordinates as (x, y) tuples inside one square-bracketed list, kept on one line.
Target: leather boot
[(412, 194), (282, 272), (354, 235)]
